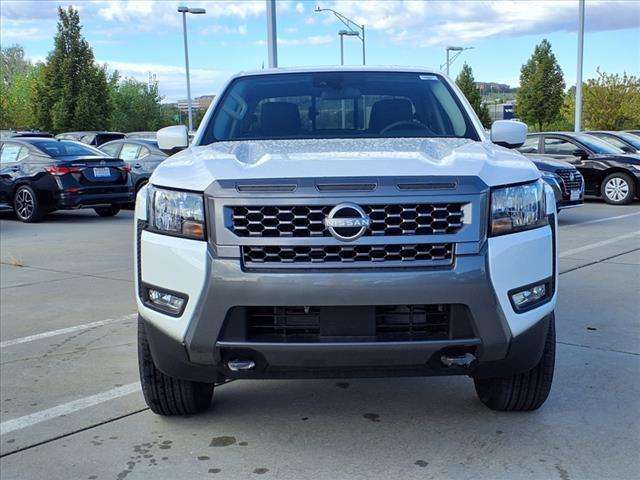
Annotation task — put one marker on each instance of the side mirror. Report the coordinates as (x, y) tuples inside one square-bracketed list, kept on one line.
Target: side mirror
[(509, 133), (173, 139), (580, 153)]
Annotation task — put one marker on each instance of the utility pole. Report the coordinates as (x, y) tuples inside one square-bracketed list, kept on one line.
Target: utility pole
[(351, 25), (196, 11), (272, 34), (578, 120), (449, 61)]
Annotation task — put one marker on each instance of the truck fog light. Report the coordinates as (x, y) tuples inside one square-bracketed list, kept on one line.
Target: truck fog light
[(170, 303), (530, 296)]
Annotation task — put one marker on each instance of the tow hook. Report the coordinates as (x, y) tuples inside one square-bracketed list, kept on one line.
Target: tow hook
[(237, 365), (458, 361)]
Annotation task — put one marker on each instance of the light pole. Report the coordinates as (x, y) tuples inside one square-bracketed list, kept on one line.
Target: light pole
[(578, 119), (196, 11), (459, 50), (351, 25), (342, 33), (272, 34)]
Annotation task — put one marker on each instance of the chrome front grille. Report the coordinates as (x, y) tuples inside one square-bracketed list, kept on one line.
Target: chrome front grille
[(575, 184), (432, 254), (304, 221)]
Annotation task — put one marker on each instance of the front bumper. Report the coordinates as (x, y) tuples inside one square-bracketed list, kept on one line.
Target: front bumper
[(191, 347), (194, 346), (563, 198)]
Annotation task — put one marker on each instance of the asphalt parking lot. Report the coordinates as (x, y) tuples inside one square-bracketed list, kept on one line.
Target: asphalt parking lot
[(71, 407)]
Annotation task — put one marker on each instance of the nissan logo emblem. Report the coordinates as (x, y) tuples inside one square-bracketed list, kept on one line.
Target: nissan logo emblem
[(347, 222)]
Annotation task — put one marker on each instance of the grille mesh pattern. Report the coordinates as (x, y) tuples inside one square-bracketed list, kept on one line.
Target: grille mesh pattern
[(346, 253), (569, 184), (392, 323), (308, 221)]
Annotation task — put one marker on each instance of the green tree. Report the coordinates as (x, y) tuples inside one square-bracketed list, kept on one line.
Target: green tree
[(13, 63), (609, 102), (136, 105), (466, 83), (541, 93), (72, 92), (16, 101), (15, 88)]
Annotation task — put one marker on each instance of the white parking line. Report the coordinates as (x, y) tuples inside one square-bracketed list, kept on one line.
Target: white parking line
[(64, 331), (599, 220), (573, 251), (67, 408)]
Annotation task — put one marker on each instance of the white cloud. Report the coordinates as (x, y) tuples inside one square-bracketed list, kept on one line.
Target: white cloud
[(439, 23), (218, 29), (300, 7), (19, 31), (311, 40), (171, 78)]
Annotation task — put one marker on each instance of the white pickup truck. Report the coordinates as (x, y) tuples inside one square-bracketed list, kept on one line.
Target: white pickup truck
[(345, 222)]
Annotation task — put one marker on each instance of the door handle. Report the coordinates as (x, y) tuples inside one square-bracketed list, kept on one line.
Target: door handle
[(15, 169)]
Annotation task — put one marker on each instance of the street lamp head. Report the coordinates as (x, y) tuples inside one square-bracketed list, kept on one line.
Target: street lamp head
[(183, 9), (197, 11), (455, 49), (349, 33)]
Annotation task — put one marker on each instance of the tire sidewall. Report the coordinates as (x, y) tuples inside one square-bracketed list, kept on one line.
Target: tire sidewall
[(35, 213), (110, 211), (630, 193)]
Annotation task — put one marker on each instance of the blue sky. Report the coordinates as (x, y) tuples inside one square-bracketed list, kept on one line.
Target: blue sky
[(145, 36)]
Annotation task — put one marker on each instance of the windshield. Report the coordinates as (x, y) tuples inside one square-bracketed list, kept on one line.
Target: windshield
[(62, 148), (598, 146), (630, 138), (339, 105)]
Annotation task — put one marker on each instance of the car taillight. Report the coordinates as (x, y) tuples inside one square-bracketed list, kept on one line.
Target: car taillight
[(62, 170), (125, 168)]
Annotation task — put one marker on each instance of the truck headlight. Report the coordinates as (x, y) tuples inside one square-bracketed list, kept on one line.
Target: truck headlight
[(517, 208), (175, 212)]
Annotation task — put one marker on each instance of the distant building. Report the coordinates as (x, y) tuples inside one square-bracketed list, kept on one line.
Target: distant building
[(486, 87), (198, 103)]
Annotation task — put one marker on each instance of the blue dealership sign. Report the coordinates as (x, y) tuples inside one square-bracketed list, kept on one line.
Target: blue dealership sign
[(507, 111)]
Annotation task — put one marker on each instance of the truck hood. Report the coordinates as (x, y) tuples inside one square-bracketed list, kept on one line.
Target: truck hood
[(197, 167)]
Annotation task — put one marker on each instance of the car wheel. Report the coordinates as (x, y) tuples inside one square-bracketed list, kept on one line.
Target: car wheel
[(107, 211), (166, 395), (618, 189), (525, 391), (26, 205)]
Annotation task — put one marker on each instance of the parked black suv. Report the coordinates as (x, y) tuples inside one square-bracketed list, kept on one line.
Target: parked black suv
[(608, 172), (39, 175), (564, 178)]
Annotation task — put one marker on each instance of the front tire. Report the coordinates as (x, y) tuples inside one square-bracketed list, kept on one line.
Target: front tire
[(110, 211), (166, 395), (525, 391), (26, 205), (618, 189)]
